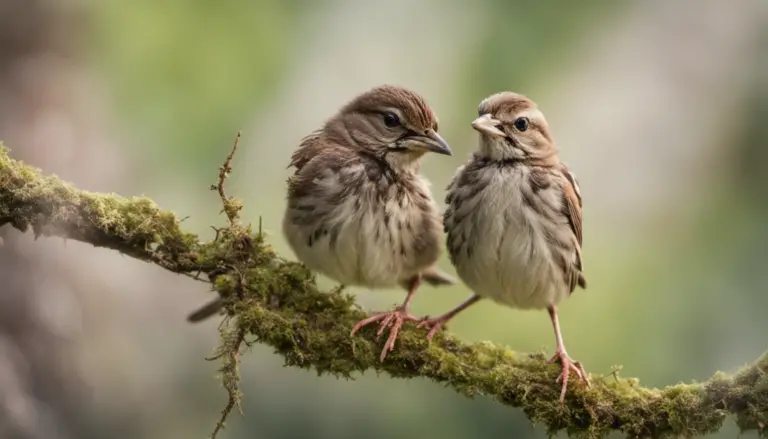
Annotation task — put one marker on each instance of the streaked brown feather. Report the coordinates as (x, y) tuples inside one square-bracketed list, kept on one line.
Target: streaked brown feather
[(573, 207), (342, 183), (309, 147), (414, 106), (572, 202)]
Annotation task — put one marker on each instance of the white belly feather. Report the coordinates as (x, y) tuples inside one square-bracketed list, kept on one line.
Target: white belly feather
[(509, 261), (368, 251)]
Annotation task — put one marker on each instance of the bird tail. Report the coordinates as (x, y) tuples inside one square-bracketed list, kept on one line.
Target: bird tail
[(207, 310), (435, 277)]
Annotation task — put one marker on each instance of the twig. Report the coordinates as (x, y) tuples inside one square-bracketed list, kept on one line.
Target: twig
[(230, 378), (230, 351), (229, 208)]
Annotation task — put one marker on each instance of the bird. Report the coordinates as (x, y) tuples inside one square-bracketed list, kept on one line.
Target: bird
[(513, 220), (358, 211)]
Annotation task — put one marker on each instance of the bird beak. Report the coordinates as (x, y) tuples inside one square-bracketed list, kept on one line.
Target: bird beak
[(486, 124), (434, 143)]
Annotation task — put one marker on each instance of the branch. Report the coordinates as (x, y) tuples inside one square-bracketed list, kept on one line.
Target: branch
[(277, 302)]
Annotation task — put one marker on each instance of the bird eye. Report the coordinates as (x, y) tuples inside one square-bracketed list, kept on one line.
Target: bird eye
[(391, 120), (521, 123)]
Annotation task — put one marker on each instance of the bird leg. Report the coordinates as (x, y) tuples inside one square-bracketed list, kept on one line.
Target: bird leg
[(437, 323), (392, 319), (562, 357)]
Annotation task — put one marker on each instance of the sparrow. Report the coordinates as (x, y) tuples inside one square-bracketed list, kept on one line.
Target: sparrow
[(358, 211), (513, 219)]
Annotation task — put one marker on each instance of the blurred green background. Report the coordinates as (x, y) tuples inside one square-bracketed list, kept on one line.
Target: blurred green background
[(658, 106)]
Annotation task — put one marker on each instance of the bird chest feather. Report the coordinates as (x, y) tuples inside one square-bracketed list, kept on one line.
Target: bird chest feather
[(383, 230), (501, 231)]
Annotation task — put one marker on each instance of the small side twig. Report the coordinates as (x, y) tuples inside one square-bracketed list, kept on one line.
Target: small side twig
[(232, 339), (230, 208), (230, 377), (229, 351)]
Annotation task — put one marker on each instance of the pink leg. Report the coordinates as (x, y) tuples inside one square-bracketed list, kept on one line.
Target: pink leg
[(561, 356), (437, 323), (391, 319)]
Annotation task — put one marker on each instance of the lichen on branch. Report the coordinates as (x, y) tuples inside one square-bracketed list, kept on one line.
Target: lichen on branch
[(277, 302)]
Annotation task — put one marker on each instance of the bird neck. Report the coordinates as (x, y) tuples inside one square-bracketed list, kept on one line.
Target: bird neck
[(501, 152), (393, 164), (403, 162), (546, 159)]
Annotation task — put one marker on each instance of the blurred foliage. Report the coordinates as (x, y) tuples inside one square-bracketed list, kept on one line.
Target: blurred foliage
[(522, 37), (187, 74), (753, 134)]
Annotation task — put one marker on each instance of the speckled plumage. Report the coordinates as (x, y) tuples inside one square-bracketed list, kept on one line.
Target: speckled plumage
[(358, 210), (513, 220), (511, 233), (355, 219)]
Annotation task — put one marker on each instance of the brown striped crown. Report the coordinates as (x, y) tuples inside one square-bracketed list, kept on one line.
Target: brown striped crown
[(413, 106)]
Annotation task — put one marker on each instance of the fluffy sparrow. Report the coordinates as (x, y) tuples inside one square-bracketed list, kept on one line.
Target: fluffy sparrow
[(358, 210), (513, 219)]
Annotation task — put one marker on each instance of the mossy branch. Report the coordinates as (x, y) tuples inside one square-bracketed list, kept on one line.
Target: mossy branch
[(277, 302)]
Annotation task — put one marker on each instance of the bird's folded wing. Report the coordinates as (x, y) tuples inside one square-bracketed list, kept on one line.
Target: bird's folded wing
[(572, 210)]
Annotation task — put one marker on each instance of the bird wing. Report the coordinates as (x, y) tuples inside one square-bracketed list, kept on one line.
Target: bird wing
[(450, 195), (316, 162), (572, 211), (572, 196), (309, 147), (317, 176), (318, 192)]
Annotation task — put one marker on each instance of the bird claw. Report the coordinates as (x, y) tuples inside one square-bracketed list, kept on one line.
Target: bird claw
[(568, 365), (393, 320), (384, 324), (434, 325)]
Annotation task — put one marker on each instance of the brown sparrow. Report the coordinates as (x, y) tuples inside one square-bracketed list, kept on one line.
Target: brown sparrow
[(358, 210), (513, 219)]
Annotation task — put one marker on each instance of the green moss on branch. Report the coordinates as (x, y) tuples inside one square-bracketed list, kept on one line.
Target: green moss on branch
[(278, 303)]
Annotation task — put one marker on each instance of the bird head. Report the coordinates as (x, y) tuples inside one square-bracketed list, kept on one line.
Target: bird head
[(391, 122), (512, 127)]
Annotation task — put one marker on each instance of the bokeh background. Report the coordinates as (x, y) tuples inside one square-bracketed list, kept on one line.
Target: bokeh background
[(659, 106)]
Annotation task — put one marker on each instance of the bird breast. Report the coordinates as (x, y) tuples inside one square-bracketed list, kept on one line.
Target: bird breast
[(381, 232), (500, 233)]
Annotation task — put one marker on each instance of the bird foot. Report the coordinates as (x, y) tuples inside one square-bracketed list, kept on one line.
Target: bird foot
[(435, 324), (568, 365), (389, 319)]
